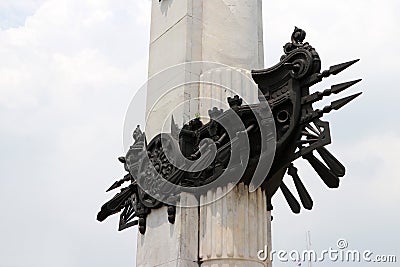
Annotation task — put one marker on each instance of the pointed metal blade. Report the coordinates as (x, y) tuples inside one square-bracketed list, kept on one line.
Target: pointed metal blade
[(114, 186), (305, 197), (332, 162), (338, 104), (337, 88), (329, 178), (333, 70), (335, 105), (118, 183), (291, 200)]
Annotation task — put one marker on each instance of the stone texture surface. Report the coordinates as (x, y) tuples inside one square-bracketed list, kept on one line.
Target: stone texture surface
[(223, 31), (218, 84), (233, 228), (232, 33), (175, 38), (166, 244)]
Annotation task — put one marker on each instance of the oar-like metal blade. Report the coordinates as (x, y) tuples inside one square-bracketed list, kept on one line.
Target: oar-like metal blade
[(329, 178), (332, 162), (114, 205), (305, 197), (291, 200)]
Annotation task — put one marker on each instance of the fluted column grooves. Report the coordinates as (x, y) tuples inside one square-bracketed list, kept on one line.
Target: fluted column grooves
[(233, 228), (219, 84)]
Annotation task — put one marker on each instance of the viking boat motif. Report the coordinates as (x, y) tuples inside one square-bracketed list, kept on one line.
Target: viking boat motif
[(285, 107)]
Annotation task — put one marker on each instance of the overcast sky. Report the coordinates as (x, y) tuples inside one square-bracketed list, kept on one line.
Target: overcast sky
[(68, 69)]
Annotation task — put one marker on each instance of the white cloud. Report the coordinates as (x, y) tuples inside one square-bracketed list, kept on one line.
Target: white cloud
[(378, 155), (66, 77), (366, 200), (66, 43), (14, 13), (365, 134), (68, 69)]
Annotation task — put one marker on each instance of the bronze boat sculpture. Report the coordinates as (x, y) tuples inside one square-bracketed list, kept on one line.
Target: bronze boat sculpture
[(298, 129)]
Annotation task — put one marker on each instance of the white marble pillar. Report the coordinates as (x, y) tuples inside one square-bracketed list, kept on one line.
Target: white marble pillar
[(232, 33), (232, 229), (175, 38), (170, 245)]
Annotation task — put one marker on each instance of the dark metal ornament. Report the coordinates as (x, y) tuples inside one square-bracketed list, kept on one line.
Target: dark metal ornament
[(300, 133)]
